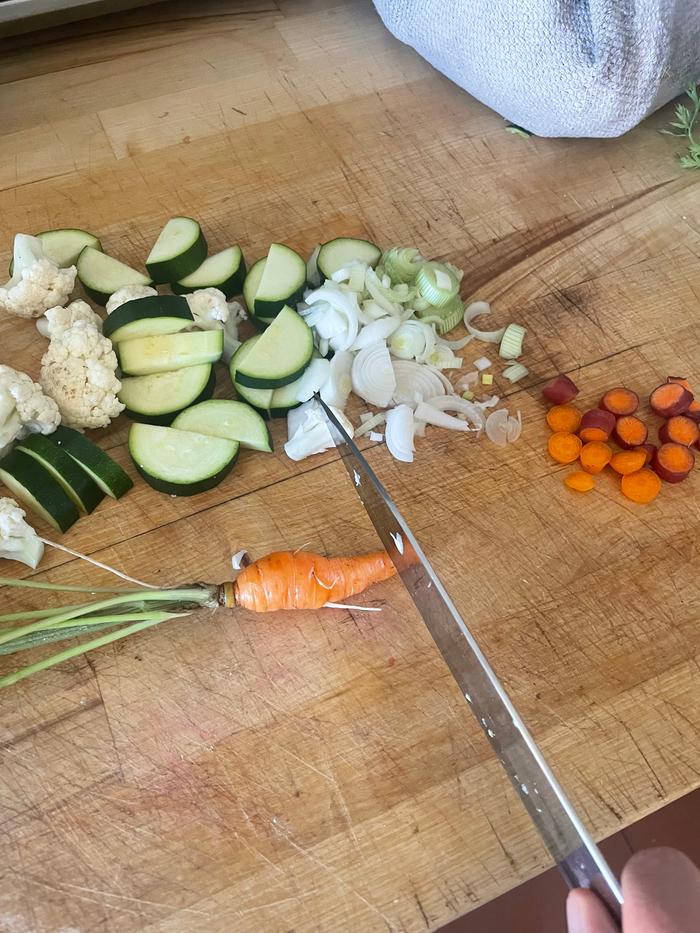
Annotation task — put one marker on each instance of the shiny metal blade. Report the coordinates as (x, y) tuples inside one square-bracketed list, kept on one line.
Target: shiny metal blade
[(560, 827)]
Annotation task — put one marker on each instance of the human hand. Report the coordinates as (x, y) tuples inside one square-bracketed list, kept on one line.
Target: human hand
[(661, 889)]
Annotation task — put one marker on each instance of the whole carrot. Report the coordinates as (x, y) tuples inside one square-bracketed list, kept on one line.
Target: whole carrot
[(302, 580)]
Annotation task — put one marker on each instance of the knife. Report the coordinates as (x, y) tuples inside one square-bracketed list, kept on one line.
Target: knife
[(562, 831)]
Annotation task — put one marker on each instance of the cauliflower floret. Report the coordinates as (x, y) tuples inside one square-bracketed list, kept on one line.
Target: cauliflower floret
[(78, 372), (128, 293), (24, 409), (57, 320), (37, 283), (18, 540), (211, 311)]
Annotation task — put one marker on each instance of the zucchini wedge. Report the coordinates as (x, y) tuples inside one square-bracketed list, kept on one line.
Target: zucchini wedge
[(337, 253), (179, 250), (84, 492), (166, 352), (160, 397), (275, 281), (101, 275), (234, 421), (148, 317), (225, 270), (29, 482), (269, 403), (180, 463), (98, 465), (280, 355)]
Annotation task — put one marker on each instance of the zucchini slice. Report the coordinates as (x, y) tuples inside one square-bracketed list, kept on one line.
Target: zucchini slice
[(279, 281), (270, 403), (160, 397), (235, 421), (64, 246), (84, 492), (280, 355), (147, 317), (180, 463), (179, 250), (165, 352), (337, 253), (101, 275), (98, 465), (225, 270), (29, 482)]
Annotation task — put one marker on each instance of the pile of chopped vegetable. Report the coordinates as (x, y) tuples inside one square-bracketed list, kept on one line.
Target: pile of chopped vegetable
[(587, 437)]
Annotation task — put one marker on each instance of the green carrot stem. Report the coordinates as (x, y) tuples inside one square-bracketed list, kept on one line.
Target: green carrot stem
[(34, 614), (69, 653), (67, 587), (173, 599)]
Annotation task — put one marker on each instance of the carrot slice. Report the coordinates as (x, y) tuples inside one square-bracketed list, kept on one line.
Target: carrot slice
[(595, 456), (673, 462), (679, 380), (679, 430), (649, 450), (630, 431), (629, 461), (670, 398), (580, 482), (560, 390), (564, 447), (564, 418), (620, 401), (693, 411), (596, 425), (641, 487)]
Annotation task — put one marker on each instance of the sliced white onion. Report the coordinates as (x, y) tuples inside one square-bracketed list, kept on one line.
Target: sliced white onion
[(446, 384), (515, 428), (372, 310), (315, 375), (399, 433), (489, 402), (373, 376), (475, 309), (310, 432), (497, 427), (353, 274), (455, 344), (482, 363), (338, 386), (240, 559), (413, 340), (466, 382), (312, 274), (461, 405), (369, 422), (376, 437), (414, 380), (431, 415), (376, 330), (366, 416), (334, 314)]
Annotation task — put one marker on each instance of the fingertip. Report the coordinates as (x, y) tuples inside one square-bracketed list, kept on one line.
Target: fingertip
[(586, 913)]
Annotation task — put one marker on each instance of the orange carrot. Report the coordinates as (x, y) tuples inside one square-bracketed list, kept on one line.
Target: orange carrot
[(673, 462), (630, 431), (629, 461), (641, 487), (596, 425), (679, 380), (679, 430), (564, 447), (670, 398), (693, 411), (620, 401), (595, 456), (649, 451), (302, 580), (564, 418), (579, 481)]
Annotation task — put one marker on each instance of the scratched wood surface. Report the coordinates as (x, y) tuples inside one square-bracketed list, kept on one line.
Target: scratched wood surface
[(320, 771)]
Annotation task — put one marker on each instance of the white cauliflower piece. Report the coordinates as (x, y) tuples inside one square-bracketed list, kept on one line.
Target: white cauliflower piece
[(37, 283), (211, 311), (128, 293), (18, 540), (78, 372), (24, 409), (57, 320)]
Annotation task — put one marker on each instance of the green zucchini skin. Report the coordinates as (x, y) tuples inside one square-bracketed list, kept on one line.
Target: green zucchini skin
[(84, 492), (105, 471), (33, 485), (167, 418), (152, 307)]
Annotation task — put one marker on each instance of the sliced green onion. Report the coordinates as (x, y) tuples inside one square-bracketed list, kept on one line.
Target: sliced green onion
[(468, 395), (445, 318), (482, 363), (515, 372), (512, 342), (476, 309), (401, 264), (516, 130), (487, 379), (437, 283)]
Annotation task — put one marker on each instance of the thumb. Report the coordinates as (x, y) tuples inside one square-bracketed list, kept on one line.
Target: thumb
[(662, 892), (586, 913)]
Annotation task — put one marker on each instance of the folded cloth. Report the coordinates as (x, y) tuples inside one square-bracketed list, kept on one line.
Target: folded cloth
[(558, 67)]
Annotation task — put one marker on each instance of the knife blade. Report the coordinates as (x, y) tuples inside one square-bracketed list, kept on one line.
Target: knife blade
[(560, 827)]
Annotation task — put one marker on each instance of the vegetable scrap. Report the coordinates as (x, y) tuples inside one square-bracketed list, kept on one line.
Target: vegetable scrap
[(586, 437)]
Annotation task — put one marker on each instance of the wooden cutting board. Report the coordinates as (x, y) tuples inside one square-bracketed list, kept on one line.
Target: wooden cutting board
[(320, 771)]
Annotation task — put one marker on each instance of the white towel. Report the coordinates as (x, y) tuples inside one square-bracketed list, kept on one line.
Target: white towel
[(558, 67)]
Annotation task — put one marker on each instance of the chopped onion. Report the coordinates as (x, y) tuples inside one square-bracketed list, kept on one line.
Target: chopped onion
[(466, 381), (312, 274), (353, 274), (515, 428), (432, 415), (338, 386), (455, 344), (461, 405), (414, 380), (370, 421), (376, 330), (373, 376), (310, 432), (482, 363), (515, 372), (399, 433), (366, 416), (413, 340), (240, 559), (476, 309), (334, 314), (315, 375), (376, 437), (372, 311), (497, 427), (488, 402), (512, 342)]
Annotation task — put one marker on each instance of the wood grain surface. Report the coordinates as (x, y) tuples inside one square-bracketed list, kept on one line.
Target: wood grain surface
[(320, 771)]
